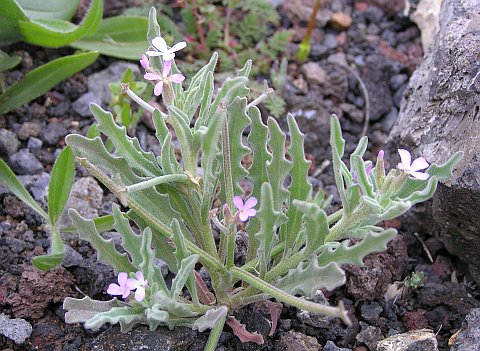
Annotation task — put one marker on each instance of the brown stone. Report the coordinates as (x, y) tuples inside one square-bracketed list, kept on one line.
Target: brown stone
[(340, 21), (29, 129), (314, 73)]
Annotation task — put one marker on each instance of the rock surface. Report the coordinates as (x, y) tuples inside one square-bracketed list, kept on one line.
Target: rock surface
[(468, 338), (17, 329), (439, 115), (293, 341), (417, 340)]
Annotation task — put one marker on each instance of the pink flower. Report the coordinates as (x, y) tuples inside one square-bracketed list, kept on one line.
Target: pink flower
[(175, 78), (122, 287), (412, 168), (381, 153), (163, 50), (144, 62), (245, 210), (139, 284)]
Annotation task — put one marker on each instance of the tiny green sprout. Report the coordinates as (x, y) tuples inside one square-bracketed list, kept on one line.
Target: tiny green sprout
[(415, 281)]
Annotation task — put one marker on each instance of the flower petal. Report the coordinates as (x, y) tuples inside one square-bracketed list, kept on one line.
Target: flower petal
[(238, 202), (419, 175), (114, 289), (418, 164), (153, 53), (144, 62), (406, 158), (140, 294), (178, 46), (122, 278), (251, 202), (176, 78), (140, 277), (243, 216), (160, 44), (167, 66), (158, 88), (251, 212), (368, 169), (132, 284), (152, 76), (168, 56)]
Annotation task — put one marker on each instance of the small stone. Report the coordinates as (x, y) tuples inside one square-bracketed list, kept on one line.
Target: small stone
[(17, 329), (34, 143), (53, 133), (417, 340), (72, 258), (341, 21), (39, 187), (9, 142), (330, 346), (24, 162), (330, 41), (294, 341), (468, 338), (82, 104), (398, 80), (353, 112), (15, 245), (162, 266), (371, 311), (29, 129), (389, 120), (369, 336), (314, 73)]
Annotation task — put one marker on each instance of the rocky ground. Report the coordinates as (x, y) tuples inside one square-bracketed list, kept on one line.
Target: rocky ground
[(368, 43)]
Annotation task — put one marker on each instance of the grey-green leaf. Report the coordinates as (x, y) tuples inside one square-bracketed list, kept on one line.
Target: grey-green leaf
[(81, 310), (210, 318)]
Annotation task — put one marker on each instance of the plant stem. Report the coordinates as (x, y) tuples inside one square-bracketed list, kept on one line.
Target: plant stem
[(155, 181), (215, 334)]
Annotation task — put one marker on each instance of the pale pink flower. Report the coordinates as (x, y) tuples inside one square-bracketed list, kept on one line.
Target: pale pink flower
[(245, 210), (139, 284), (122, 287), (381, 153), (144, 62), (162, 49), (160, 79), (414, 167)]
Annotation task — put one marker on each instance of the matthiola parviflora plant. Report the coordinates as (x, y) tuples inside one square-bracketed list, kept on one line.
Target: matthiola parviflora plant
[(294, 247)]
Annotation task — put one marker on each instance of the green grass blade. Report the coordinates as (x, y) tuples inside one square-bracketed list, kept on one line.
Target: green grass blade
[(61, 181), (43, 78)]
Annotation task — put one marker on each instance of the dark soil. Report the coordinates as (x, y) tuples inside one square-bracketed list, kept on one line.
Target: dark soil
[(384, 48)]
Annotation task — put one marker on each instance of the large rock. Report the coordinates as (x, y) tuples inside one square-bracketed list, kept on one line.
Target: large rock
[(439, 115), (468, 338)]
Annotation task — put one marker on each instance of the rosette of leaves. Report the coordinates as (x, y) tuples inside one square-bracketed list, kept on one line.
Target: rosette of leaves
[(294, 248)]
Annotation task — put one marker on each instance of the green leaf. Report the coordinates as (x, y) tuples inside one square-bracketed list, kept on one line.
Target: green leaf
[(147, 266), (173, 307), (269, 219), (55, 256), (131, 242), (237, 121), (61, 181), (186, 269), (127, 316), (49, 9), (338, 144), (102, 224), (129, 148), (257, 171), (300, 187), (315, 223), (11, 14), (210, 318), (354, 254), (81, 310), (153, 27), (278, 167), (122, 37), (167, 161), (106, 251), (307, 279), (8, 62), (156, 316), (55, 33), (363, 179), (181, 125), (43, 78), (11, 182)]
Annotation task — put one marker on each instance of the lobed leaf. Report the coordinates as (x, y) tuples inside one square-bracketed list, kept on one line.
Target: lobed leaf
[(315, 224), (307, 279), (128, 317), (81, 310), (210, 319), (186, 268), (147, 265), (338, 145), (106, 251)]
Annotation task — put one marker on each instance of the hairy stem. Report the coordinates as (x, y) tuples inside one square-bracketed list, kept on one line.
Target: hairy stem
[(215, 334)]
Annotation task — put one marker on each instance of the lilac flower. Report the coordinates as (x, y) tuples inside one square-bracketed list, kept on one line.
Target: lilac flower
[(139, 284), (122, 287), (144, 62), (163, 50), (412, 168), (245, 210), (368, 170), (161, 79)]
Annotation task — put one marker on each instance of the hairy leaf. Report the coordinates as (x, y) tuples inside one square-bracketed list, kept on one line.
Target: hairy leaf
[(173, 307), (210, 318), (186, 268), (147, 265), (315, 223), (127, 316), (307, 279), (81, 310)]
